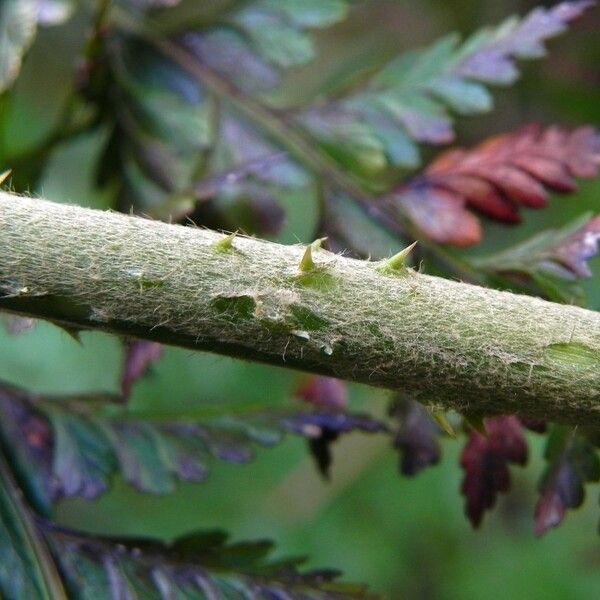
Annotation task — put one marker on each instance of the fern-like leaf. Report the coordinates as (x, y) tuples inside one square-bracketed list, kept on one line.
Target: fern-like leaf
[(550, 263), (410, 99), (65, 447), (497, 178)]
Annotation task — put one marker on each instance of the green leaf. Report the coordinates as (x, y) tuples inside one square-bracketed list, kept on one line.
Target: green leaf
[(415, 93), (178, 151), (26, 568), (18, 24), (309, 13), (199, 566), (551, 262), (65, 447)]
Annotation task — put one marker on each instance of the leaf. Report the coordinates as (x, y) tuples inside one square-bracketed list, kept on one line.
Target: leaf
[(41, 560), (54, 12), (174, 133), (16, 325), (496, 178), (326, 392), (18, 21), (410, 100), (26, 568), (65, 447), (573, 252), (485, 461), (198, 566), (416, 437), (550, 258), (140, 355), (324, 428), (572, 462)]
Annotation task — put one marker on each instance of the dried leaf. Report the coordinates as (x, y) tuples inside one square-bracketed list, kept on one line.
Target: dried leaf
[(496, 179), (140, 355), (572, 462), (485, 460)]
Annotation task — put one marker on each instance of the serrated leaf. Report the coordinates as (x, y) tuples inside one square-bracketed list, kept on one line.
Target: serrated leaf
[(65, 447), (173, 137), (496, 178), (41, 561), (18, 24), (572, 462), (416, 436), (550, 262), (197, 567), (415, 92), (485, 460)]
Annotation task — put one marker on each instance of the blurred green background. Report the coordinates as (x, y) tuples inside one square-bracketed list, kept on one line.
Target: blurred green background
[(408, 538)]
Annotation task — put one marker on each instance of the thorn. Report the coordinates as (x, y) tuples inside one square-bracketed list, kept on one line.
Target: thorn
[(226, 243), (307, 263), (439, 416), (73, 333), (4, 176), (475, 421), (398, 261)]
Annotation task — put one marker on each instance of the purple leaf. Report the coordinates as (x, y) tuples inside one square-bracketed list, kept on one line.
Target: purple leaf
[(572, 461), (417, 437), (139, 357), (325, 392), (485, 460), (574, 251)]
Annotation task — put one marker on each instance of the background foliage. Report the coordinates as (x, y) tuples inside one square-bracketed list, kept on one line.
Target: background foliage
[(407, 538)]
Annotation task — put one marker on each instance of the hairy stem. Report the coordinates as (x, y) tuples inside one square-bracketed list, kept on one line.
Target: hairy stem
[(289, 137), (458, 345)]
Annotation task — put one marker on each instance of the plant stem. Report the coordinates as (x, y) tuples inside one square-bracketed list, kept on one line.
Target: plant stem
[(287, 136), (458, 345)]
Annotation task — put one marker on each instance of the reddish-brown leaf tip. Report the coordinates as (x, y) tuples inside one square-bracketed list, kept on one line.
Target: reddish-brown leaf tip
[(496, 179), (485, 461)]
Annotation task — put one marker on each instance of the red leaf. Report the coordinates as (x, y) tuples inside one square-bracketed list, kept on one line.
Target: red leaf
[(496, 178), (485, 461), (326, 392), (139, 357), (442, 216)]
